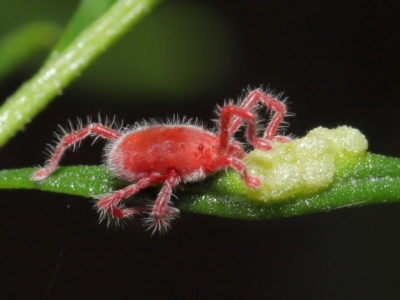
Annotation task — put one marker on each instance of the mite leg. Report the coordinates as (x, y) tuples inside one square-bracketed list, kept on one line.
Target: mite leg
[(70, 140), (230, 111), (162, 213), (252, 99), (108, 205), (238, 165)]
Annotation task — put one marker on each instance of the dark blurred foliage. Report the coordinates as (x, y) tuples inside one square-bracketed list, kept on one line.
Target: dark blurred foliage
[(338, 63)]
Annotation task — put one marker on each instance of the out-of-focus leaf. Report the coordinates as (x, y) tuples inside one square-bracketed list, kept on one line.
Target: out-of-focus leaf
[(20, 45)]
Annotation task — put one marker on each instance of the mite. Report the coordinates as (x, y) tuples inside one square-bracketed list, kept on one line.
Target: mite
[(169, 154)]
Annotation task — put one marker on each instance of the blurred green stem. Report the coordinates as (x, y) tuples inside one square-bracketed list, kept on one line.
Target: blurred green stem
[(18, 46), (35, 94)]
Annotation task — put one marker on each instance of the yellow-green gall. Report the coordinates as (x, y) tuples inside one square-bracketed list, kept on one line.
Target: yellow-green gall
[(305, 165)]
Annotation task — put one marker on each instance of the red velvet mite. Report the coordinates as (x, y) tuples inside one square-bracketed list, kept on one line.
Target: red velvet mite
[(168, 154)]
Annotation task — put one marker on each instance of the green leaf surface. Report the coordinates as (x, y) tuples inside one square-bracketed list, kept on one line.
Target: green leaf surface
[(372, 179)]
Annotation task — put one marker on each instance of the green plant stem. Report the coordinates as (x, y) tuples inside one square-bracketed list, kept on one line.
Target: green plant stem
[(87, 13), (373, 179), (35, 94)]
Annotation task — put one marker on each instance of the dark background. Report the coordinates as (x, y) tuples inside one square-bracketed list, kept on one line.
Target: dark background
[(338, 63)]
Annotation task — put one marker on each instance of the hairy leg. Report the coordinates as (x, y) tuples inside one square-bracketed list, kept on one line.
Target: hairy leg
[(162, 213), (72, 139)]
